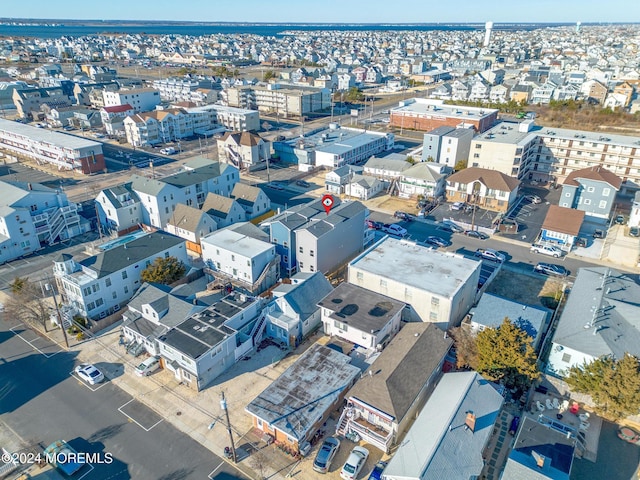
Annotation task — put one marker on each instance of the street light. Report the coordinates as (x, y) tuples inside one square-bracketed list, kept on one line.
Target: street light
[(48, 287)]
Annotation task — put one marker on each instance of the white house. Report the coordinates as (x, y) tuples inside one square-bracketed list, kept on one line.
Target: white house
[(191, 224), (245, 150), (360, 316), (141, 99), (119, 209), (101, 284), (252, 199), (423, 178), (224, 210), (232, 255)]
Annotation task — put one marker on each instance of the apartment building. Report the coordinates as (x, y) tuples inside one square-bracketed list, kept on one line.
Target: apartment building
[(158, 126), (29, 101), (113, 118), (427, 114), (489, 189), (447, 145), (592, 190), (67, 152), (208, 118), (32, 216), (280, 99), (245, 150), (119, 209), (101, 284), (530, 152), (141, 99)]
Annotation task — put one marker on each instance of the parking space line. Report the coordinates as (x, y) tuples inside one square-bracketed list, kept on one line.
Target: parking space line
[(134, 420), (104, 382), (46, 355), (210, 476)]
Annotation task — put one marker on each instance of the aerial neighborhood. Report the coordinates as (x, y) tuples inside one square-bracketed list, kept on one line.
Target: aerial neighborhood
[(365, 254)]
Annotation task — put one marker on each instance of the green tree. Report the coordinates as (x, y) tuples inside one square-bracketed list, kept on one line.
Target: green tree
[(506, 354), (354, 94), (411, 160), (27, 303), (268, 75), (163, 270), (614, 385), (460, 165)]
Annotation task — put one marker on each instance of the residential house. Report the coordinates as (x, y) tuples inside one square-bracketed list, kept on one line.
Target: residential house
[(113, 118), (252, 199), (594, 91), (241, 257), (489, 189), (542, 94), (101, 284), (634, 216), (245, 150), (158, 126), (28, 101), (565, 92), (492, 309), (592, 190), (540, 452), (33, 216), (449, 436), (337, 180), (224, 210), (626, 90), (520, 93), (323, 244), (561, 226), (439, 286), (425, 178), (293, 314), (295, 405), (119, 209), (191, 224), (599, 319), (209, 342), (360, 316), (499, 94), (384, 402), (332, 238), (363, 187), (160, 197), (151, 312)]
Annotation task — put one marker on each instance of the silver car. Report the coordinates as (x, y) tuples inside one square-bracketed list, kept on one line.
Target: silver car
[(325, 455)]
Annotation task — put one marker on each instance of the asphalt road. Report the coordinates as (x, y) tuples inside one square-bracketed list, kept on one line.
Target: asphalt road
[(48, 404)]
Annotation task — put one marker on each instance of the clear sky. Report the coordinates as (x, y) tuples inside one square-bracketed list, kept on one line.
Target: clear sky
[(331, 11)]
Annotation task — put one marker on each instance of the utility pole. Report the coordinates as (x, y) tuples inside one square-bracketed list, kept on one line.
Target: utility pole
[(223, 405), (60, 322)]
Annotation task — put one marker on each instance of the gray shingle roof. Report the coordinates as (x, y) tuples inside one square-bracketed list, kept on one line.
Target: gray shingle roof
[(402, 369)]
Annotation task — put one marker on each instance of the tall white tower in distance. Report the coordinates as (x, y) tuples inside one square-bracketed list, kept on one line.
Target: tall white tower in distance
[(578, 27), (487, 33)]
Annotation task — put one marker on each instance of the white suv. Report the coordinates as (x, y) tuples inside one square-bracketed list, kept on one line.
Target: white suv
[(546, 250)]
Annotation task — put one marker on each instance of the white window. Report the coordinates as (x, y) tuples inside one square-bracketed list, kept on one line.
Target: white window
[(602, 204), (587, 201), (591, 189), (606, 192)]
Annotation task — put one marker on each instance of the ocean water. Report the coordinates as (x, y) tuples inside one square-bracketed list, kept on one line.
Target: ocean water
[(154, 28)]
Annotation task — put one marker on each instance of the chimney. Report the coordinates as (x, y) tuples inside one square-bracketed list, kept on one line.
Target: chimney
[(470, 421), (540, 459), (29, 186)]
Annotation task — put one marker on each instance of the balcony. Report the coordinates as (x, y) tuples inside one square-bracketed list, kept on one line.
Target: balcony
[(352, 420)]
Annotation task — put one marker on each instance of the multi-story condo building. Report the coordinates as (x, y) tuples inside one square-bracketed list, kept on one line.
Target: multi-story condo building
[(211, 117), (427, 114), (281, 99), (141, 99), (32, 215), (101, 284), (158, 126), (28, 101), (67, 152), (531, 152)]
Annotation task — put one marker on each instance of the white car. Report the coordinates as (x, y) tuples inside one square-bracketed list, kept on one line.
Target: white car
[(457, 206), (89, 373), (546, 250), (354, 464), (395, 229)]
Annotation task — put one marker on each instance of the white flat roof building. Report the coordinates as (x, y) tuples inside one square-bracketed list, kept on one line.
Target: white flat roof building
[(440, 286)]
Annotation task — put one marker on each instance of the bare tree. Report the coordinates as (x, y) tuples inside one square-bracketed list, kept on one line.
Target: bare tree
[(27, 303), (259, 463)]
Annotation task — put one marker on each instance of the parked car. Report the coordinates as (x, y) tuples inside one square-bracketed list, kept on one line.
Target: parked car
[(490, 254), (619, 220), (394, 229), (302, 183), (533, 199), (581, 242), (354, 464), (275, 186), (325, 455), (437, 241), (551, 269), (403, 216), (168, 151), (546, 250), (89, 373), (147, 367), (476, 234), (598, 234), (457, 206), (374, 225), (376, 473), (451, 227), (634, 232)]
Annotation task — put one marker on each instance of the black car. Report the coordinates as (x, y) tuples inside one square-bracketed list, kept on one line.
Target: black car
[(375, 225), (634, 232), (476, 234), (450, 227), (620, 220), (551, 269), (302, 183), (403, 216), (598, 234), (437, 241)]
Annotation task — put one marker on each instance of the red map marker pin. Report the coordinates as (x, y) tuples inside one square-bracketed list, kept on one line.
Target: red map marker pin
[(327, 203)]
